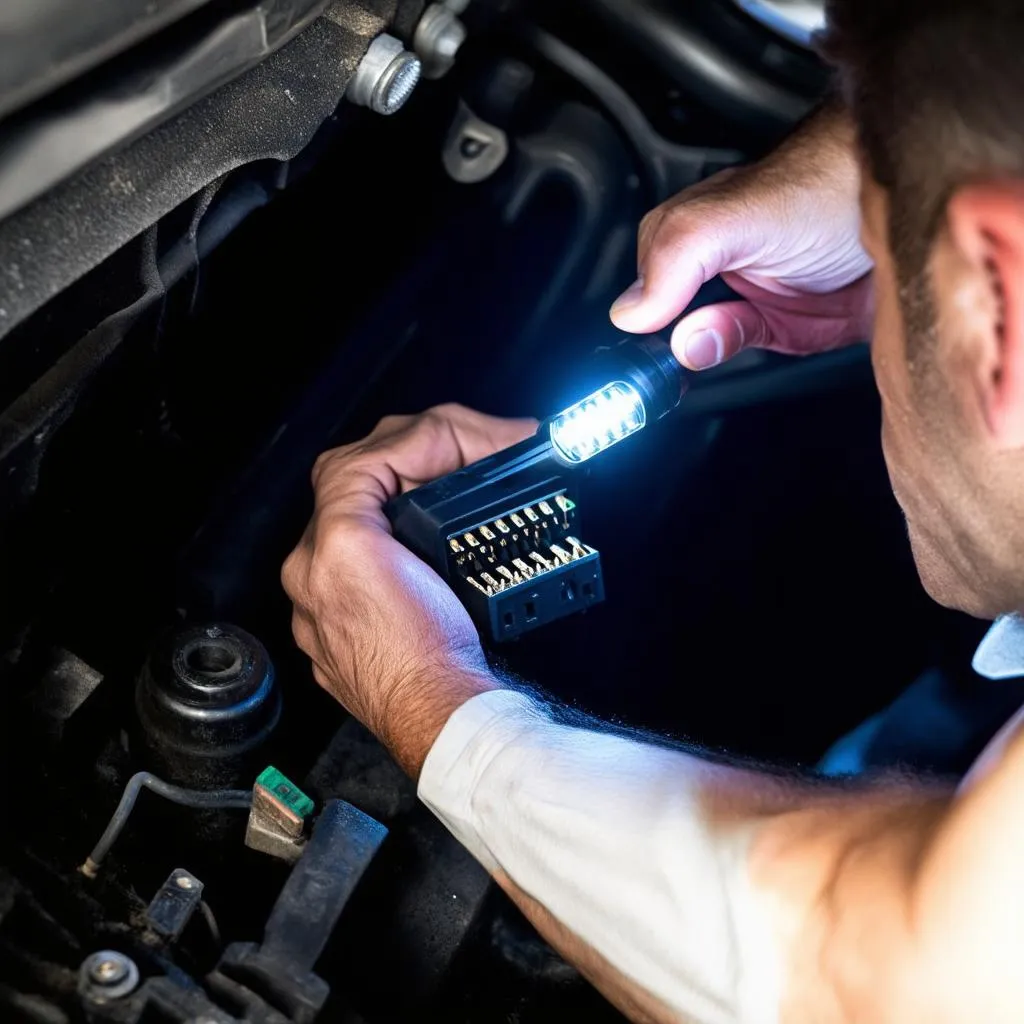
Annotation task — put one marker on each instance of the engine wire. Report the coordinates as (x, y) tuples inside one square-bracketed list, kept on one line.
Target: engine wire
[(204, 799)]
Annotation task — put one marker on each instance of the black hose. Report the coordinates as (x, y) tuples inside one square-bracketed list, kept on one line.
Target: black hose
[(211, 922), (199, 798)]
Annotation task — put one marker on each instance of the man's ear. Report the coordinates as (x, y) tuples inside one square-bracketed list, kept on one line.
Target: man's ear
[(986, 224)]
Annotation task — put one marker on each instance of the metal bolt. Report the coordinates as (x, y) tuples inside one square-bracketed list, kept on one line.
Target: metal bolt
[(107, 975), (438, 38), (109, 971), (386, 76)]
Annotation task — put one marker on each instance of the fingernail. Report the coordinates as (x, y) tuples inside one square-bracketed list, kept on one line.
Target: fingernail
[(703, 349), (630, 297)]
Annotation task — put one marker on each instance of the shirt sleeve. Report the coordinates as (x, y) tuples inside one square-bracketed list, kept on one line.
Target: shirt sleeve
[(610, 836)]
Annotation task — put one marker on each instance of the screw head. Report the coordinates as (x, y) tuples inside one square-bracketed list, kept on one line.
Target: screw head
[(109, 970), (106, 976), (397, 84)]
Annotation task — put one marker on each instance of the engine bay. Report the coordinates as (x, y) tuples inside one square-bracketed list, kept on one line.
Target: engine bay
[(164, 405)]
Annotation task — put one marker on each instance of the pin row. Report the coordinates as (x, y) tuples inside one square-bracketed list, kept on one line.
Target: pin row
[(523, 570), (520, 520)]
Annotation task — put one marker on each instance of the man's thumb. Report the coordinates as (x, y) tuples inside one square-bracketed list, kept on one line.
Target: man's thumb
[(713, 334), (673, 269)]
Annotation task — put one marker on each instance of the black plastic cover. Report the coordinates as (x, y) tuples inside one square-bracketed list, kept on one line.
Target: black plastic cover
[(44, 43)]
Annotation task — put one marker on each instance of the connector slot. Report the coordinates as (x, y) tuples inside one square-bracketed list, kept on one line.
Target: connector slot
[(517, 547), (551, 595), (526, 567)]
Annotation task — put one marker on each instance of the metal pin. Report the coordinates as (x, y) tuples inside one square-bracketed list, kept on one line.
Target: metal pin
[(578, 550), (561, 553), (471, 540), (482, 589), (507, 573), (502, 525), (455, 545), (538, 557), (530, 514), (564, 503), (517, 520), (491, 581), (525, 569), (546, 508), (487, 533)]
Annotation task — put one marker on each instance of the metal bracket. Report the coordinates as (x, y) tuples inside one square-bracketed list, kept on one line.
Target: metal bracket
[(173, 906)]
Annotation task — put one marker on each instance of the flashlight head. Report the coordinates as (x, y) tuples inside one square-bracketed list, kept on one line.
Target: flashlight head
[(597, 422), (645, 382)]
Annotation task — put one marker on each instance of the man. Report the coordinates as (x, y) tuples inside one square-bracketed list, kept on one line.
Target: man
[(685, 889)]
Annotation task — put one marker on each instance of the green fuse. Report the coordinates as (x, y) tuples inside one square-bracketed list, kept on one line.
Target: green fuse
[(279, 799)]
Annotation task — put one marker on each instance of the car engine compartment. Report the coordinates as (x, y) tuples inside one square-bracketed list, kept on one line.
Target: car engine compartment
[(194, 314)]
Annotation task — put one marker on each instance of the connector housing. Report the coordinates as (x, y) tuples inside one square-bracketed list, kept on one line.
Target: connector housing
[(525, 568), (505, 534)]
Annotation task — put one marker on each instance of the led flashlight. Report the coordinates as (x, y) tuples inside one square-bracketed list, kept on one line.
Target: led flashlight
[(506, 531), (646, 383)]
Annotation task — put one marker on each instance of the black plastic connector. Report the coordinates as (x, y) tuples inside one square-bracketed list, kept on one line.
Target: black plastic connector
[(505, 534)]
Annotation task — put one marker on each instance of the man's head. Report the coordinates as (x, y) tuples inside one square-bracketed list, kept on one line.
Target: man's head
[(937, 88)]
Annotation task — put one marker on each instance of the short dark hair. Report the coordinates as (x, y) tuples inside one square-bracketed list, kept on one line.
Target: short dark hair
[(937, 90)]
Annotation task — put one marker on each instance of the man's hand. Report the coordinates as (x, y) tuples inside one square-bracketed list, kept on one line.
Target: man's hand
[(783, 233), (386, 635)]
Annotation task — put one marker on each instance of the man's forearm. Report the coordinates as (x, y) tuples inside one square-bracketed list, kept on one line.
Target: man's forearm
[(685, 889), (824, 144)]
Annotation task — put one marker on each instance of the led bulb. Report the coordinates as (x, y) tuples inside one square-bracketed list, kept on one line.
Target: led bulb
[(598, 422)]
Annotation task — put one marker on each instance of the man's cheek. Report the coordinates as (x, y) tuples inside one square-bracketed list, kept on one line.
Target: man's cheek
[(890, 451), (887, 348), (893, 416), (881, 361)]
